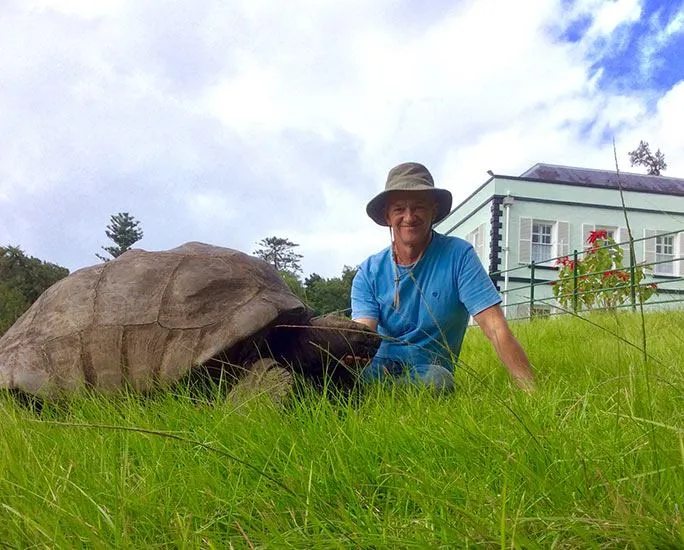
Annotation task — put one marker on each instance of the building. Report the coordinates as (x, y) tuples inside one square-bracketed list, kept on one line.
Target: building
[(520, 225)]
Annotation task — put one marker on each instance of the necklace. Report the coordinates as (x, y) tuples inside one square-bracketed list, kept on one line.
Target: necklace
[(405, 269)]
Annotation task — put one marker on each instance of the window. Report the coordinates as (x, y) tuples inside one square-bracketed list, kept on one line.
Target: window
[(541, 241), (525, 311), (542, 245), (618, 234), (610, 231), (664, 250), (538, 310), (661, 249)]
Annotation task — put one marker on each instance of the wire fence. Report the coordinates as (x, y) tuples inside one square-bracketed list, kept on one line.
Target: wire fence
[(560, 286)]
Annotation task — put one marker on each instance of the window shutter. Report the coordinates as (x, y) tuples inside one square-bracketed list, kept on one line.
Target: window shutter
[(649, 249), (623, 237), (563, 239), (680, 252), (586, 229), (480, 243), (525, 242)]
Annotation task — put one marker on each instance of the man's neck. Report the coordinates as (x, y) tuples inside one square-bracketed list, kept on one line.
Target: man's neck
[(406, 254)]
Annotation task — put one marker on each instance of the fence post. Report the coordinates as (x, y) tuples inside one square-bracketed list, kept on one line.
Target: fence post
[(574, 282), (632, 278), (531, 288)]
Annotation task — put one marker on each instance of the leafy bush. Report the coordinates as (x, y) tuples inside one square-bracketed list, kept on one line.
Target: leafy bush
[(22, 280), (598, 280)]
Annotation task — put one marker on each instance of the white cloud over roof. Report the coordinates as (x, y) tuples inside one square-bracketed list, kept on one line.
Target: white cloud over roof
[(227, 122)]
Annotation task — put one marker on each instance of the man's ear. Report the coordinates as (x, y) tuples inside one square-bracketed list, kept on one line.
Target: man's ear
[(434, 212)]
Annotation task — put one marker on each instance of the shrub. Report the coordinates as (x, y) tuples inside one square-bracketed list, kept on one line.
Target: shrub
[(598, 280)]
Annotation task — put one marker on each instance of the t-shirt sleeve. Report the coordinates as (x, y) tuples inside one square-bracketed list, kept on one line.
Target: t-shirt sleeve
[(363, 302), (476, 290)]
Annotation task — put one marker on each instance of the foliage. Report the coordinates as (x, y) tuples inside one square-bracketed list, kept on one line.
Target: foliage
[(312, 279), (320, 294), (124, 230), (598, 279), (280, 254), (12, 305), (294, 284), (22, 280), (591, 460), (330, 295), (642, 156)]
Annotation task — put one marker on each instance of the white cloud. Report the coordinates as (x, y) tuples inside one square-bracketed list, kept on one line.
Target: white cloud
[(662, 129), (608, 16), (82, 9), (232, 121)]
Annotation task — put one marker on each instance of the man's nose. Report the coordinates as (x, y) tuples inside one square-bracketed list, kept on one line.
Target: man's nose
[(411, 212)]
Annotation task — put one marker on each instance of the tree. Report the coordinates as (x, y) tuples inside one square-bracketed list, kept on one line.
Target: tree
[(330, 295), (280, 254), (22, 280), (311, 280), (294, 284), (124, 230), (642, 156), (12, 306)]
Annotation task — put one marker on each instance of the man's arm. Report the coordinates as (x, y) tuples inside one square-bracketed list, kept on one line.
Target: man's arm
[(370, 323), (509, 350)]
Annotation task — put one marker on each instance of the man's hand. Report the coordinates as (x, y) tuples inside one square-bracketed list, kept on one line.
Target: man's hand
[(509, 350), (356, 361)]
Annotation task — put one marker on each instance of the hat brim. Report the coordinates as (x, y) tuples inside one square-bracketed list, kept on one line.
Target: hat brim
[(376, 207)]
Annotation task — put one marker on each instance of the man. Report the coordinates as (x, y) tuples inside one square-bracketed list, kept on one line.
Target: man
[(420, 292)]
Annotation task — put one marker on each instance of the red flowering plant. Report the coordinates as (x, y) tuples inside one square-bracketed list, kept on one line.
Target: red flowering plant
[(599, 280)]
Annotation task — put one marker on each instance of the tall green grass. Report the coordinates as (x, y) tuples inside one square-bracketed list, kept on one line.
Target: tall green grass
[(588, 460)]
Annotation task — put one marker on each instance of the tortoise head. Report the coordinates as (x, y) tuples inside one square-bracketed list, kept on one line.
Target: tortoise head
[(318, 349)]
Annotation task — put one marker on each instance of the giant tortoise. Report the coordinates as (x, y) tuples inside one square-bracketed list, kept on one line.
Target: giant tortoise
[(146, 319)]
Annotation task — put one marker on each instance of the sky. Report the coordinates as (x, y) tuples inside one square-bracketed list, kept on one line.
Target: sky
[(228, 121)]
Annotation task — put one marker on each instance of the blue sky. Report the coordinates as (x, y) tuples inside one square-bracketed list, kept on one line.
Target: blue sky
[(649, 52), (227, 121)]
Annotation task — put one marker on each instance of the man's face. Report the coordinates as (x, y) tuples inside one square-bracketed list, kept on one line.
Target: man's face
[(410, 214)]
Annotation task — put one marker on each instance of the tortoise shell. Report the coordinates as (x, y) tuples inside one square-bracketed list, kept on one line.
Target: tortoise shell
[(144, 319)]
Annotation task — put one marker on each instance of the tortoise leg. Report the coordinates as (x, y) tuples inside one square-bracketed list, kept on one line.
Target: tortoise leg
[(265, 376)]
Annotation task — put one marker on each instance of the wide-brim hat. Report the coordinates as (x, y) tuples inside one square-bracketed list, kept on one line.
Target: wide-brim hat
[(409, 176)]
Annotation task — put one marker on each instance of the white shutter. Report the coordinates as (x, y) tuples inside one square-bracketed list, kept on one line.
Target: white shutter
[(649, 249), (586, 229), (480, 243), (679, 251), (623, 237), (525, 242), (562, 238)]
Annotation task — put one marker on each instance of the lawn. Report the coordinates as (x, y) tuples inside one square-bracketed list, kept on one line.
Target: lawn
[(594, 458)]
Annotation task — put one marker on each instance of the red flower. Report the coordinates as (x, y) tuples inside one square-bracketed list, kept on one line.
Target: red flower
[(595, 235), (623, 276), (562, 261), (609, 274), (653, 286)]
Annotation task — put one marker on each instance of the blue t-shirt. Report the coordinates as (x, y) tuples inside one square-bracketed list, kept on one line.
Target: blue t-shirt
[(436, 298)]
